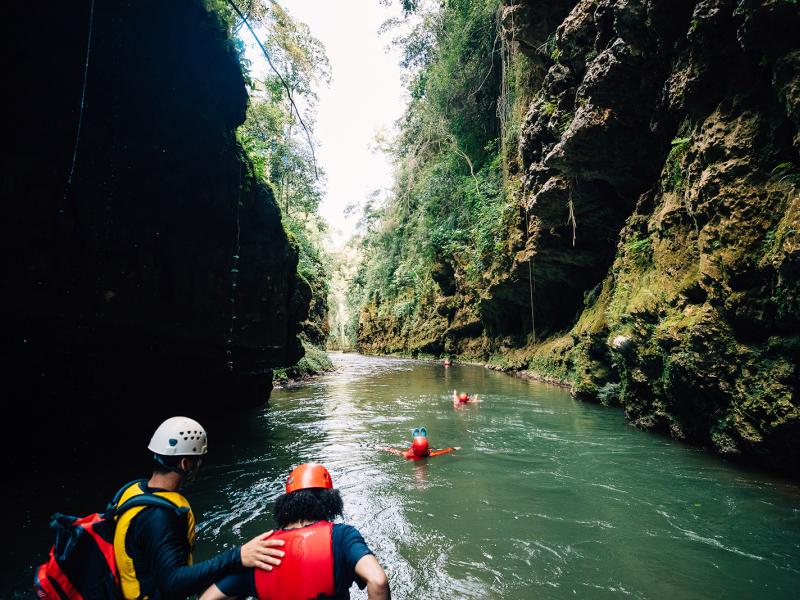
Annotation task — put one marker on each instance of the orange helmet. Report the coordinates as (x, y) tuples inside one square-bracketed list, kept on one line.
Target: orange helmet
[(420, 446), (463, 397), (308, 475)]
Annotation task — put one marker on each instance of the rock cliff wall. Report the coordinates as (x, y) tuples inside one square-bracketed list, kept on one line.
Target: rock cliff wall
[(679, 121), (160, 280), (660, 221)]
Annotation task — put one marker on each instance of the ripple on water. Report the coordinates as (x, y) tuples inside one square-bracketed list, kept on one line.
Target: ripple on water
[(545, 498)]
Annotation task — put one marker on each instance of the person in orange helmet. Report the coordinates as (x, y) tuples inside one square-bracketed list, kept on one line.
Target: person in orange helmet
[(464, 398), (322, 559), (419, 448)]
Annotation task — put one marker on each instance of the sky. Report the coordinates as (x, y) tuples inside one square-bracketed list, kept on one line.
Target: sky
[(365, 96)]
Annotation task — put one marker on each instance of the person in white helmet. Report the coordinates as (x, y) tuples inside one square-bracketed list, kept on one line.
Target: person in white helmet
[(153, 545)]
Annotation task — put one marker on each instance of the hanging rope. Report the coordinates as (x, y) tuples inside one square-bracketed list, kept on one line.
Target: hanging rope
[(571, 216), (532, 287), (80, 111), (234, 274), (283, 82), (530, 276)]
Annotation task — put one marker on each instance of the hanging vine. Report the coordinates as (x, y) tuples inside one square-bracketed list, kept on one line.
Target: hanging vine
[(71, 174), (571, 217)]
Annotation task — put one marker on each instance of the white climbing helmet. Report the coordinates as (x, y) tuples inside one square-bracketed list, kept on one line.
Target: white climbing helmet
[(179, 436)]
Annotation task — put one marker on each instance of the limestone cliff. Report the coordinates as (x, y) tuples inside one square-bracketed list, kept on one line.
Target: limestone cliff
[(659, 218), (159, 280)]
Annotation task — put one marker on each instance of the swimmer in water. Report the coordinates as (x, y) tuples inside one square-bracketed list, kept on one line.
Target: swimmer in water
[(419, 448), (464, 398), (447, 362)]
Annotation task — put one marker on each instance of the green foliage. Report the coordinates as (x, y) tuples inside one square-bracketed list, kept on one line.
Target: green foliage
[(564, 121), (314, 362), (550, 48), (227, 23), (272, 134), (640, 250), (452, 205), (786, 172), (675, 177), (610, 394)]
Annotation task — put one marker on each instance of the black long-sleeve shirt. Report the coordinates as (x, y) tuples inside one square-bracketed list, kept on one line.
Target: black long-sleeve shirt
[(157, 543)]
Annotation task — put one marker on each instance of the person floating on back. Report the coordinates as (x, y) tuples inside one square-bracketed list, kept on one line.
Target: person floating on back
[(322, 559), (464, 398), (419, 448)]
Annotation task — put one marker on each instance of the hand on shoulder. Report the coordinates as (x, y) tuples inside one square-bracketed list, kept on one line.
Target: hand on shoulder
[(262, 552)]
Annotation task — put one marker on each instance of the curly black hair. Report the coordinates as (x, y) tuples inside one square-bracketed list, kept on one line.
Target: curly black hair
[(313, 504)]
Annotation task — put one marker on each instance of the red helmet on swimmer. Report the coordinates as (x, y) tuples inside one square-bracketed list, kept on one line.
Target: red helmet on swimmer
[(420, 446), (308, 476)]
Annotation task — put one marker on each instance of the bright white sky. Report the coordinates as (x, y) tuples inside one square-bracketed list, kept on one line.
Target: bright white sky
[(365, 96)]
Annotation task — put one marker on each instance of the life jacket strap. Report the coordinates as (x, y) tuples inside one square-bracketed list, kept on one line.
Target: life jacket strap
[(148, 500)]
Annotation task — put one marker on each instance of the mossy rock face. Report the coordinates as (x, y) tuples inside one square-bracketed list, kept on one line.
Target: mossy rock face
[(694, 330), (315, 361), (657, 244)]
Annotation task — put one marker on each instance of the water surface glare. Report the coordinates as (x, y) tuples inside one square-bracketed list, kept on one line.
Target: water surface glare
[(545, 497)]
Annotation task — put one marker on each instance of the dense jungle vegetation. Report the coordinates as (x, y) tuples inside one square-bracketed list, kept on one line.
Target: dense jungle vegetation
[(448, 215)]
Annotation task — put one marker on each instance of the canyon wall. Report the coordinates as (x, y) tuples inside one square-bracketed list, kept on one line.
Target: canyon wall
[(659, 222), (157, 278)]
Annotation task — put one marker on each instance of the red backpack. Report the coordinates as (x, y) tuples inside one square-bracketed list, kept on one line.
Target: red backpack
[(82, 564)]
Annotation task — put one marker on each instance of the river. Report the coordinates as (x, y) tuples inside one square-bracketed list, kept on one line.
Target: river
[(545, 497)]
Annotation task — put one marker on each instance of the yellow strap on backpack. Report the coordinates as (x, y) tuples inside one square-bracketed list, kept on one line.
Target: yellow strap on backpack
[(131, 588)]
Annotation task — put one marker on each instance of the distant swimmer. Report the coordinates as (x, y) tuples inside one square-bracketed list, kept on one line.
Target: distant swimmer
[(464, 398), (419, 448), (447, 362)]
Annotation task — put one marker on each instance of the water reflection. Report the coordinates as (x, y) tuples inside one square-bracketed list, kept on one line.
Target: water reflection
[(420, 474)]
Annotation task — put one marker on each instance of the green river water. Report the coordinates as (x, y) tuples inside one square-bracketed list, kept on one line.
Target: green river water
[(545, 497)]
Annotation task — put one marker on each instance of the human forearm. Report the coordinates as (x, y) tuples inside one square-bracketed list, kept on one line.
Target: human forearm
[(193, 579), (214, 593), (371, 571), (378, 590)]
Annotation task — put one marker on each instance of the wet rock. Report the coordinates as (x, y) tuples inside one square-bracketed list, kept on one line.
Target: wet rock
[(529, 23), (668, 123), (575, 36)]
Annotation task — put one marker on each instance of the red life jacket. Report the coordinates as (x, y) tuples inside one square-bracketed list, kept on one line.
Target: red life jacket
[(307, 569)]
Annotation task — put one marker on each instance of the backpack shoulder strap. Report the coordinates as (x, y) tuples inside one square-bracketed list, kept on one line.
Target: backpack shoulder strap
[(147, 500), (112, 505)]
